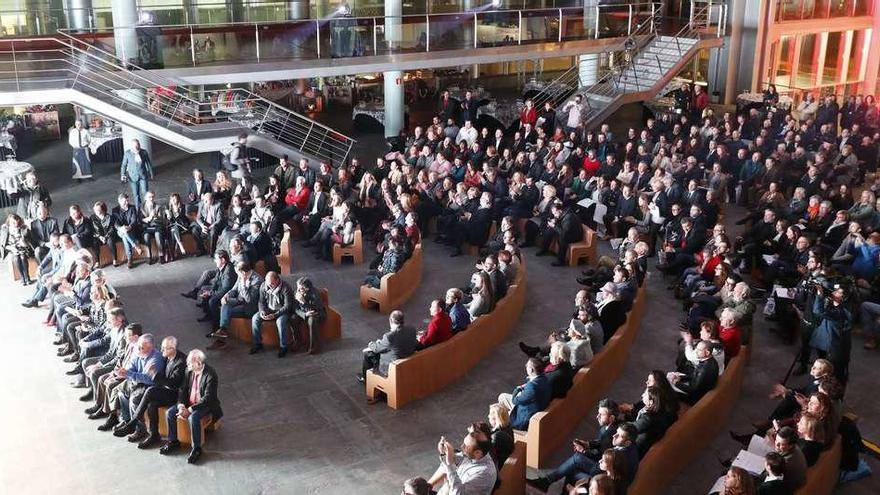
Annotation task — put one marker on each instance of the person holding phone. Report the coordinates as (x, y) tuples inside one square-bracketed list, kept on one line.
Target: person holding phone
[(471, 471)]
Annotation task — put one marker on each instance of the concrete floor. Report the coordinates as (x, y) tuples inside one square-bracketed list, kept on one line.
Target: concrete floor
[(302, 425)]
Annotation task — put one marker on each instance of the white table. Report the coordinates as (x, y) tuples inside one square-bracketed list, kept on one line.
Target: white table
[(98, 138), (12, 175)]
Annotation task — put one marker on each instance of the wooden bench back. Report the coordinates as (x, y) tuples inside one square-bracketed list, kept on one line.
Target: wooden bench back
[(694, 431), (551, 428), (399, 286), (823, 476), (513, 473), (429, 370), (331, 328)]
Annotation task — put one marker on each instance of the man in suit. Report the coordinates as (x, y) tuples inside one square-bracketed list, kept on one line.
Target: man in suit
[(209, 223), (529, 398), (399, 342), (275, 304), (774, 478), (682, 254), (260, 247), (565, 228), (196, 400), (611, 310), (286, 173), (242, 301), (127, 223), (496, 276), (195, 189), (315, 210), (137, 170), (140, 375), (306, 172), (163, 393), (446, 108), (41, 229), (586, 453), (701, 379), (473, 228), (469, 108)]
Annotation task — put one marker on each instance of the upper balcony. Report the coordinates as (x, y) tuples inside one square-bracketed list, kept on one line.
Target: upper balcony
[(235, 52)]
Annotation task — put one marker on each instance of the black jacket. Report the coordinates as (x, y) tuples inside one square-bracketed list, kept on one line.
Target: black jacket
[(224, 280), (175, 370), (612, 316), (194, 192), (700, 381), (560, 379), (209, 401), (42, 229)]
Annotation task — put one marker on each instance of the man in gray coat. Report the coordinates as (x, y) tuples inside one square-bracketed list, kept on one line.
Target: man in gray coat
[(399, 342), (275, 304), (137, 170)]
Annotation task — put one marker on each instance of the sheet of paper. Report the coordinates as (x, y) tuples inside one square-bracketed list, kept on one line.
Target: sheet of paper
[(759, 446), (782, 292), (718, 487), (752, 463)]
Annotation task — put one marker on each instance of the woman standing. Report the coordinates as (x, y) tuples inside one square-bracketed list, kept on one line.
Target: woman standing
[(15, 240)]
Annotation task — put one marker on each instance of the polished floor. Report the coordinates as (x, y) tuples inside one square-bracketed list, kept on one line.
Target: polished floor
[(302, 424)]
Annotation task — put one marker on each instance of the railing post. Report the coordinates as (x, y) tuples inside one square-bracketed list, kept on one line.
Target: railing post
[(15, 67), (597, 21), (318, 36), (375, 38), (309, 133), (476, 28), (629, 22), (427, 33), (192, 45), (520, 30), (173, 112), (560, 26), (257, 40)]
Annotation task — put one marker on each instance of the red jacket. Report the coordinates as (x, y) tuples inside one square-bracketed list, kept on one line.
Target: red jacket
[(591, 165), (731, 337), (439, 330), (301, 199), (528, 116)]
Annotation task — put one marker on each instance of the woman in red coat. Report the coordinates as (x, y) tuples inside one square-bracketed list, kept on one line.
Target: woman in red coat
[(729, 334), (528, 115)]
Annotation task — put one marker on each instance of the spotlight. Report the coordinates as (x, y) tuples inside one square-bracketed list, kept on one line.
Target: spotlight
[(496, 3)]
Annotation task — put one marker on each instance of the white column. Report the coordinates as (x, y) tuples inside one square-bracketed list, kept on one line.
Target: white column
[(125, 14), (78, 12), (737, 20), (393, 85), (469, 29), (588, 64)]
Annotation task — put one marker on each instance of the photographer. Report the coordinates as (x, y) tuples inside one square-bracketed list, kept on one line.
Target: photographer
[(832, 337)]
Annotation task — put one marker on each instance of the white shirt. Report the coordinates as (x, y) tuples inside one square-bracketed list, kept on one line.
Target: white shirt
[(469, 477), (468, 135), (78, 139)]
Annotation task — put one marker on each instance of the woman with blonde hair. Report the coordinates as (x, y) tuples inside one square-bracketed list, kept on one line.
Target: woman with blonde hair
[(738, 481), (483, 298), (502, 433)]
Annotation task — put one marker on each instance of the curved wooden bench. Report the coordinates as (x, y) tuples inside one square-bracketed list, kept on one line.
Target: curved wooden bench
[(694, 431), (551, 428), (584, 249), (331, 328), (395, 288), (512, 475), (183, 434), (355, 250), (822, 477), (285, 257), (33, 268), (429, 370)]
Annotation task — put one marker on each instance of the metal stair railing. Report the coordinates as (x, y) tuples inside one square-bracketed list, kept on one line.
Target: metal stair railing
[(566, 84), (64, 62), (607, 88)]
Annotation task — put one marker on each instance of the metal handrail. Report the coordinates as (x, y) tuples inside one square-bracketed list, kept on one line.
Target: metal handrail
[(99, 71)]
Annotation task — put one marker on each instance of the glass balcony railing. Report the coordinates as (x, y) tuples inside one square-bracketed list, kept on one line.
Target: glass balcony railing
[(192, 45), (801, 10)]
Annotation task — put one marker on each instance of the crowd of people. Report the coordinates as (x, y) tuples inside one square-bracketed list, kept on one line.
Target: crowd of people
[(810, 247)]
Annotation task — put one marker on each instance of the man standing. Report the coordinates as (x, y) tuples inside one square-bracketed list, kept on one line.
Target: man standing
[(197, 399), (137, 170), (79, 140)]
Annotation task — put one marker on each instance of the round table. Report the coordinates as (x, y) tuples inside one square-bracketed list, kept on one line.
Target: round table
[(12, 175)]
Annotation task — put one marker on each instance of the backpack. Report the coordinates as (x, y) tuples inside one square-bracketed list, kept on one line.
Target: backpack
[(851, 444)]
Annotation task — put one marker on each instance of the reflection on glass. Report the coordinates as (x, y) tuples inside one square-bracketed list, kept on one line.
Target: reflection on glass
[(808, 64)]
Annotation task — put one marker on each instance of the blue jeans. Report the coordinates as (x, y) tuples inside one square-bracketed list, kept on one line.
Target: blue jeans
[(139, 189), (195, 425), (233, 309), (257, 331), (128, 243), (870, 312), (575, 468)]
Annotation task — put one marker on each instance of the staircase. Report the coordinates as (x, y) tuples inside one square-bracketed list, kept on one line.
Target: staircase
[(63, 69), (640, 67)]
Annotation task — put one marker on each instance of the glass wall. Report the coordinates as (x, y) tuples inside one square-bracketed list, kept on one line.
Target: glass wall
[(825, 62), (796, 10)]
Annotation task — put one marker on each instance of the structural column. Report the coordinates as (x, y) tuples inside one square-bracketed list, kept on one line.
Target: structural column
[(78, 14), (588, 64), (470, 29), (298, 10), (737, 19), (125, 14), (393, 90)]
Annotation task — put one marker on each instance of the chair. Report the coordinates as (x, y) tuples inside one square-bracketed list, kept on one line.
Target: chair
[(395, 288), (583, 249), (355, 250), (33, 268)]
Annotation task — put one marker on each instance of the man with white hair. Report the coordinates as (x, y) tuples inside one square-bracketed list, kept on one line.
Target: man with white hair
[(140, 375), (197, 399), (162, 394)]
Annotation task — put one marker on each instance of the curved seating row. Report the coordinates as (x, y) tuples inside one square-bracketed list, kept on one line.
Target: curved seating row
[(429, 370), (551, 428), (395, 288), (331, 328), (512, 476), (694, 431)]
